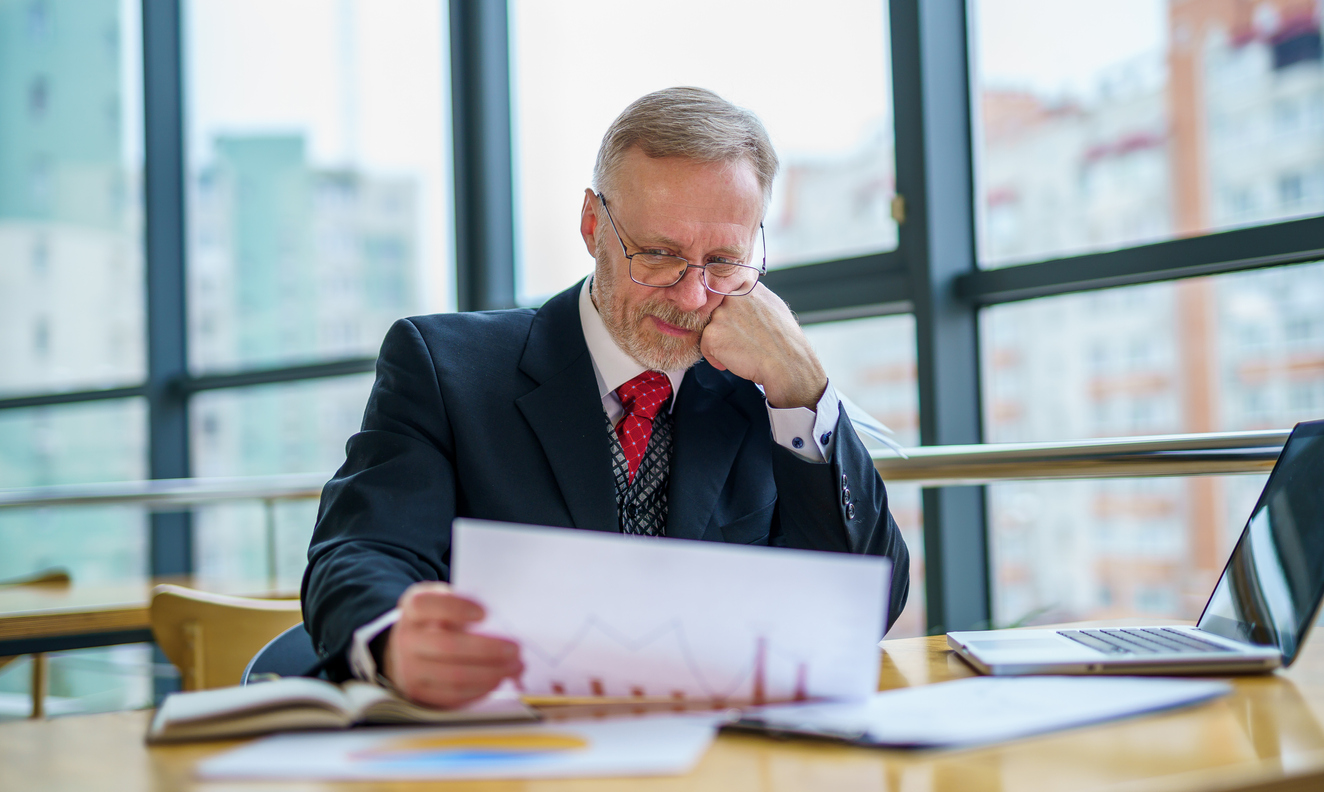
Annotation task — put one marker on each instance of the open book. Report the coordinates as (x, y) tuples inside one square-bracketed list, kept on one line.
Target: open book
[(302, 703)]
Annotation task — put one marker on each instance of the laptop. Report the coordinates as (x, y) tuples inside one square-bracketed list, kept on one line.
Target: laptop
[(1256, 619)]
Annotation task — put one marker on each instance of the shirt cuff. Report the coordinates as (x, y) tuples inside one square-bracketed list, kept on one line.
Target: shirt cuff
[(360, 656), (809, 434)]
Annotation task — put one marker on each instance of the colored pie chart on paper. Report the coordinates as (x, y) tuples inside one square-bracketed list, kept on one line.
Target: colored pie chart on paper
[(472, 749)]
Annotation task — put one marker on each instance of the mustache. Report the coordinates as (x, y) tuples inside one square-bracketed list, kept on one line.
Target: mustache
[(687, 320)]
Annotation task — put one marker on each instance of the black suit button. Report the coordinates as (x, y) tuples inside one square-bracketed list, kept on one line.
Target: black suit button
[(845, 482), (850, 511), (845, 497)]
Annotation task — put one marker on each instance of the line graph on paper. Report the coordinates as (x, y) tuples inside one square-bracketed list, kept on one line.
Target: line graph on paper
[(601, 660), (600, 614)]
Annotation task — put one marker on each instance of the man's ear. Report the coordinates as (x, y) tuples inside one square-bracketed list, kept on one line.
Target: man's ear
[(588, 221)]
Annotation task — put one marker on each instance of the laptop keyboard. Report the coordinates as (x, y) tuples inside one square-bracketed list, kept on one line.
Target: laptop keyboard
[(1143, 640)]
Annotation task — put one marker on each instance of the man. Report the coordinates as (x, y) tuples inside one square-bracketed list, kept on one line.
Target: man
[(626, 403)]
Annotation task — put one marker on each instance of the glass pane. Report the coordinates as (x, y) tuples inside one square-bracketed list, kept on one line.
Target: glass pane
[(872, 362), (295, 428), (1104, 124), (74, 444), (71, 259), (1071, 550), (1237, 351), (318, 176), (1232, 352), (822, 86), (83, 681)]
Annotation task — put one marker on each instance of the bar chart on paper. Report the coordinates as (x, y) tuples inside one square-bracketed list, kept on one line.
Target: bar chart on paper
[(607, 615), (658, 658)]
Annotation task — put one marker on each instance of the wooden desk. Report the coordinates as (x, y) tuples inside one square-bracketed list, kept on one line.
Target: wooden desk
[(54, 618), (1266, 736)]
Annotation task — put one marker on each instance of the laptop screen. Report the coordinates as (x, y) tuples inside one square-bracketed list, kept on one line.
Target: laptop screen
[(1274, 580)]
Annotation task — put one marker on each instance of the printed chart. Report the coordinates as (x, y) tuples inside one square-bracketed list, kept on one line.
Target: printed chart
[(601, 614)]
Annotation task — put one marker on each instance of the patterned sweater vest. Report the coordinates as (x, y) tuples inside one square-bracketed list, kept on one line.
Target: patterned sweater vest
[(641, 507)]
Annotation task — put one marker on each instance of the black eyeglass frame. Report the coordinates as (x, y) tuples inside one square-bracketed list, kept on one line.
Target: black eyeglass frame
[(703, 268)]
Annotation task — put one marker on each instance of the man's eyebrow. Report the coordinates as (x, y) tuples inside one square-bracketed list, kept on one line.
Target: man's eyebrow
[(662, 240), (659, 240)]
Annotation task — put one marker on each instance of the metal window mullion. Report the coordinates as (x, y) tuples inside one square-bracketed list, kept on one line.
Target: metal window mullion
[(171, 538), (931, 87), (480, 121), (835, 287), (1275, 244)]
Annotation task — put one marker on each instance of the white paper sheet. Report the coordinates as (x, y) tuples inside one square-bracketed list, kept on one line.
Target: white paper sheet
[(985, 709), (605, 614), (655, 745)]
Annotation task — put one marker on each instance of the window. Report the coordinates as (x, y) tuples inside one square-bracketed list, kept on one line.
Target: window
[(69, 201), (871, 361), (297, 427), (1103, 125), (74, 444), (318, 177), (822, 87), (1070, 550), (1196, 374)]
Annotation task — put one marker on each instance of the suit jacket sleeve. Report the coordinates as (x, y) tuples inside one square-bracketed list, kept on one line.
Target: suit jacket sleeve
[(840, 505), (385, 516)]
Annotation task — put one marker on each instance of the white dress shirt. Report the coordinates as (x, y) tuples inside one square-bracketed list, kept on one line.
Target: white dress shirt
[(805, 432)]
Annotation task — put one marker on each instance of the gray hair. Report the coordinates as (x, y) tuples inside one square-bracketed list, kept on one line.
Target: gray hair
[(687, 122)]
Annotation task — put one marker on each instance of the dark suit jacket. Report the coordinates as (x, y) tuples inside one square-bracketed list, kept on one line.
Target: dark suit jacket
[(496, 415)]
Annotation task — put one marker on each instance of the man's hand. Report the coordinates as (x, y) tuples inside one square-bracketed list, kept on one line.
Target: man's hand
[(757, 338), (432, 658)]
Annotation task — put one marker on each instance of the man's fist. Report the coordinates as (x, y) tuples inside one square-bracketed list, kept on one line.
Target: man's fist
[(433, 658), (757, 338)]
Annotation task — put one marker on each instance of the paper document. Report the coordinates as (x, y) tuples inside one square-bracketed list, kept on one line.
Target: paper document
[(656, 745), (600, 614), (981, 710)]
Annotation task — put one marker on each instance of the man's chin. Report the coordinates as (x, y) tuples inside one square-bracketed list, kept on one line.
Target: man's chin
[(664, 352)]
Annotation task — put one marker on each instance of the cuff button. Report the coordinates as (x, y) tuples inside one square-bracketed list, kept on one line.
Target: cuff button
[(850, 511), (825, 438), (797, 443)]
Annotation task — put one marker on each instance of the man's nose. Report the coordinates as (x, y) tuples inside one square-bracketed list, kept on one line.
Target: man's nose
[(689, 294)]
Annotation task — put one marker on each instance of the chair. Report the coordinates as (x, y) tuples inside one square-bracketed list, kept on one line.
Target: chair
[(46, 577), (289, 654), (210, 637)]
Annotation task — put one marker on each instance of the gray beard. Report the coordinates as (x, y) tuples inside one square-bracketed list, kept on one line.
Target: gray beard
[(652, 350)]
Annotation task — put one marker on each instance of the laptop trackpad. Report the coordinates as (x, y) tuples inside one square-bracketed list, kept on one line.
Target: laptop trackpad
[(1010, 645)]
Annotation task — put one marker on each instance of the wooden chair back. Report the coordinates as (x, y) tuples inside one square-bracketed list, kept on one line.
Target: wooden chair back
[(211, 637)]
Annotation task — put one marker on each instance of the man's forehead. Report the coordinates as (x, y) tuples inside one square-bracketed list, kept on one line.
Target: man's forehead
[(719, 192)]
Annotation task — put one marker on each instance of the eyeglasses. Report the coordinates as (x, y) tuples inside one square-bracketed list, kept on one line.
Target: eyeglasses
[(719, 276)]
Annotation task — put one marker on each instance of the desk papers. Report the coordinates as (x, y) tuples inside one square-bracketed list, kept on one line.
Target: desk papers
[(981, 710), (656, 745), (600, 614)]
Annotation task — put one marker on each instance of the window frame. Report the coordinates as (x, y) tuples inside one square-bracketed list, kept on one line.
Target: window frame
[(933, 273)]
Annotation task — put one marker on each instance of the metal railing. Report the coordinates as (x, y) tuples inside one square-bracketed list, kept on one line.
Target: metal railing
[(1218, 453), (177, 495)]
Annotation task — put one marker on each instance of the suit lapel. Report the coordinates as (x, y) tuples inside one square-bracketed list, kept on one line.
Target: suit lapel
[(708, 434), (565, 412)]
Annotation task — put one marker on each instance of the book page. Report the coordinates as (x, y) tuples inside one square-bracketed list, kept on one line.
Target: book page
[(259, 697), (290, 703)]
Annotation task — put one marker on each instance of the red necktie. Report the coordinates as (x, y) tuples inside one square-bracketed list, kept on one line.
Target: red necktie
[(641, 397)]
